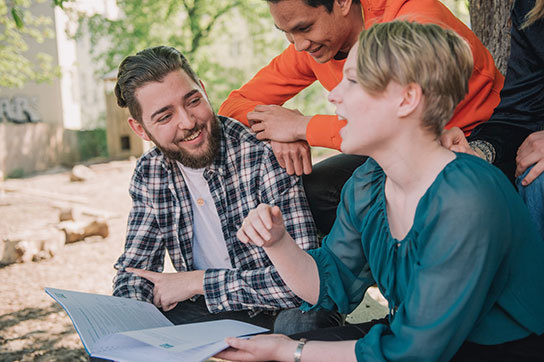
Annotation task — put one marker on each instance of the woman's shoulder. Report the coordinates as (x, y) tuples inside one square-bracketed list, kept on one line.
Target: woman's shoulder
[(363, 189), (367, 172), (470, 183)]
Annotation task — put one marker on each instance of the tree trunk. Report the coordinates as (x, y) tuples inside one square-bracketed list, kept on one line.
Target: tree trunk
[(490, 21)]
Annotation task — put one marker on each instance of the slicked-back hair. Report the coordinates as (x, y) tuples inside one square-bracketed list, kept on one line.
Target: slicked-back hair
[(148, 65), (436, 59), (328, 4)]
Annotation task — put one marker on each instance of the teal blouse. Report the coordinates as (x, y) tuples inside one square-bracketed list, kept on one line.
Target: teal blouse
[(470, 268)]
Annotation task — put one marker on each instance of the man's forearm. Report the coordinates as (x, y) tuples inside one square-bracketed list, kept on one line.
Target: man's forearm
[(197, 281)]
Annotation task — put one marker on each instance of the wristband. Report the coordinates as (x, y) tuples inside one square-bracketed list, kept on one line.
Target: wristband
[(484, 149), (298, 351)]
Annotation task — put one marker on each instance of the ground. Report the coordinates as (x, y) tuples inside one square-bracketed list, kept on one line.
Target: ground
[(32, 326)]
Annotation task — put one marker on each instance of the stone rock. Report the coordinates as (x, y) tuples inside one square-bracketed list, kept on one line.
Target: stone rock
[(81, 173), (79, 230), (66, 214), (32, 245), (8, 254)]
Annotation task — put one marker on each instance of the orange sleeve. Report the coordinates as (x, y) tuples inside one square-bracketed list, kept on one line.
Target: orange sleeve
[(486, 80), (285, 76), (323, 131)]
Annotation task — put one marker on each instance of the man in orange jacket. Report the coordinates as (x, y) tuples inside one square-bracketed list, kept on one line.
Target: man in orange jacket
[(321, 33)]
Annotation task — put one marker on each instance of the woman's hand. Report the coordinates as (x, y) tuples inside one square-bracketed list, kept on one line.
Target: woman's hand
[(263, 226), (266, 347)]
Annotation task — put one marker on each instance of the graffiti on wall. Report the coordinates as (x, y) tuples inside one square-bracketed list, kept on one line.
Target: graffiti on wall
[(19, 109)]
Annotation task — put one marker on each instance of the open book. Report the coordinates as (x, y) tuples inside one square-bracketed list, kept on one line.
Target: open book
[(123, 329)]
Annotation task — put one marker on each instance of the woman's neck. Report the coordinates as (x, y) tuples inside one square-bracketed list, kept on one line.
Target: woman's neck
[(410, 171), (414, 163)]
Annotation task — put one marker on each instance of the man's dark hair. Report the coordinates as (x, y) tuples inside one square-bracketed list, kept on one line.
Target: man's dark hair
[(328, 4), (148, 65)]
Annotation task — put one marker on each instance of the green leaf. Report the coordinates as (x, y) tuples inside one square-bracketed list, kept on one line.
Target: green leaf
[(17, 17)]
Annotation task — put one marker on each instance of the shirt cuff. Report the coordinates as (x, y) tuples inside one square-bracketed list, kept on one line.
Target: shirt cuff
[(323, 301), (215, 297), (324, 131), (485, 149)]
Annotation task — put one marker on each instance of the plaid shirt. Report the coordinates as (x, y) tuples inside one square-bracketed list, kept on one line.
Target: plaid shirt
[(245, 174)]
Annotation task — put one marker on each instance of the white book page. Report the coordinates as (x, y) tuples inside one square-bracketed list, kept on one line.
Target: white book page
[(136, 351), (189, 336), (95, 316)]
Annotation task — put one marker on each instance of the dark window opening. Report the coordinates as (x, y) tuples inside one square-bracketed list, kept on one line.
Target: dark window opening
[(125, 143)]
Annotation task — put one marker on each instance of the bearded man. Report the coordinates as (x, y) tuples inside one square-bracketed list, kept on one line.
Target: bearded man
[(191, 193)]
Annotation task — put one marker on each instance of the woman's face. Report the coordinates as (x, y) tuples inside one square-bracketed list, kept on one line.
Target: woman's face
[(369, 117)]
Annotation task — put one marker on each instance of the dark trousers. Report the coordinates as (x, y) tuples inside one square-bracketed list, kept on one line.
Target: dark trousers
[(526, 349), (287, 321), (324, 185), (507, 139)]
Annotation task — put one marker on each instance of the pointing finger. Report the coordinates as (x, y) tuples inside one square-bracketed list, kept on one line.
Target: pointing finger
[(146, 274)]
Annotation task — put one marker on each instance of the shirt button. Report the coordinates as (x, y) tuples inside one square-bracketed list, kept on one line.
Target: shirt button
[(220, 307), (200, 202), (398, 245)]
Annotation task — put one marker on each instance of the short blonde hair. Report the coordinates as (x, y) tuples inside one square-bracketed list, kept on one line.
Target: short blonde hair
[(436, 59)]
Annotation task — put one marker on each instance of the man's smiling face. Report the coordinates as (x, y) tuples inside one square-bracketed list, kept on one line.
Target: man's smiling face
[(313, 29), (178, 118)]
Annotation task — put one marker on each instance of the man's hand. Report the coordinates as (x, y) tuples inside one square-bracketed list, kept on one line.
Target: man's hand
[(531, 152), (263, 226), (454, 140), (277, 123), (267, 347), (171, 288), (294, 157)]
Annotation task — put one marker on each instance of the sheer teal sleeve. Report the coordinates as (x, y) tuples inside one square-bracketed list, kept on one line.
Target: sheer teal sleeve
[(464, 228), (344, 271)]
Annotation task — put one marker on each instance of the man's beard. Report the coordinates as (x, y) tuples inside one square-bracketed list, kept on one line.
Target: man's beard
[(196, 161)]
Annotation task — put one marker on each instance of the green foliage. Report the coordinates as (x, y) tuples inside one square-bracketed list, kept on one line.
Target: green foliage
[(17, 26), (16, 173), (200, 29), (92, 143)]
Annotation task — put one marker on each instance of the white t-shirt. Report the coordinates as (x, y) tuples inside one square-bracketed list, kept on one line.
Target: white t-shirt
[(209, 246)]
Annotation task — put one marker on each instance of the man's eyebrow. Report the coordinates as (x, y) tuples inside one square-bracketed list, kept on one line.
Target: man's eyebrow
[(190, 94)]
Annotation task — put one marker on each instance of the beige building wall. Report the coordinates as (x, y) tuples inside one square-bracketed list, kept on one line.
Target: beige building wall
[(36, 121), (122, 141)]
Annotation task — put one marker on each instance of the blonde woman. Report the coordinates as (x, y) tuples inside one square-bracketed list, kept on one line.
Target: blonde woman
[(444, 236)]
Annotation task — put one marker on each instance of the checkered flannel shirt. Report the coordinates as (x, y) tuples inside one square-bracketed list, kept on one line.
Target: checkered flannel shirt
[(245, 174)]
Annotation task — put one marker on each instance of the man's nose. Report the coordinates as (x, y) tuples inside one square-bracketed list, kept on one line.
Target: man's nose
[(187, 120), (299, 41)]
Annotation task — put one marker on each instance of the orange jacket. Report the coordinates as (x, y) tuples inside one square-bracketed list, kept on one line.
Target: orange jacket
[(291, 71)]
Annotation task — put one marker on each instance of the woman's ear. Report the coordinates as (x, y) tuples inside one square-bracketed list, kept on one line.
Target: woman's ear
[(411, 98)]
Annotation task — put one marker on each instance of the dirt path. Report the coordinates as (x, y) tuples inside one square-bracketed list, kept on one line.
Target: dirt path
[(32, 327)]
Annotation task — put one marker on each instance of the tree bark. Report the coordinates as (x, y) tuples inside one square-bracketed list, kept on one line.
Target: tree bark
[(490, 21)]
